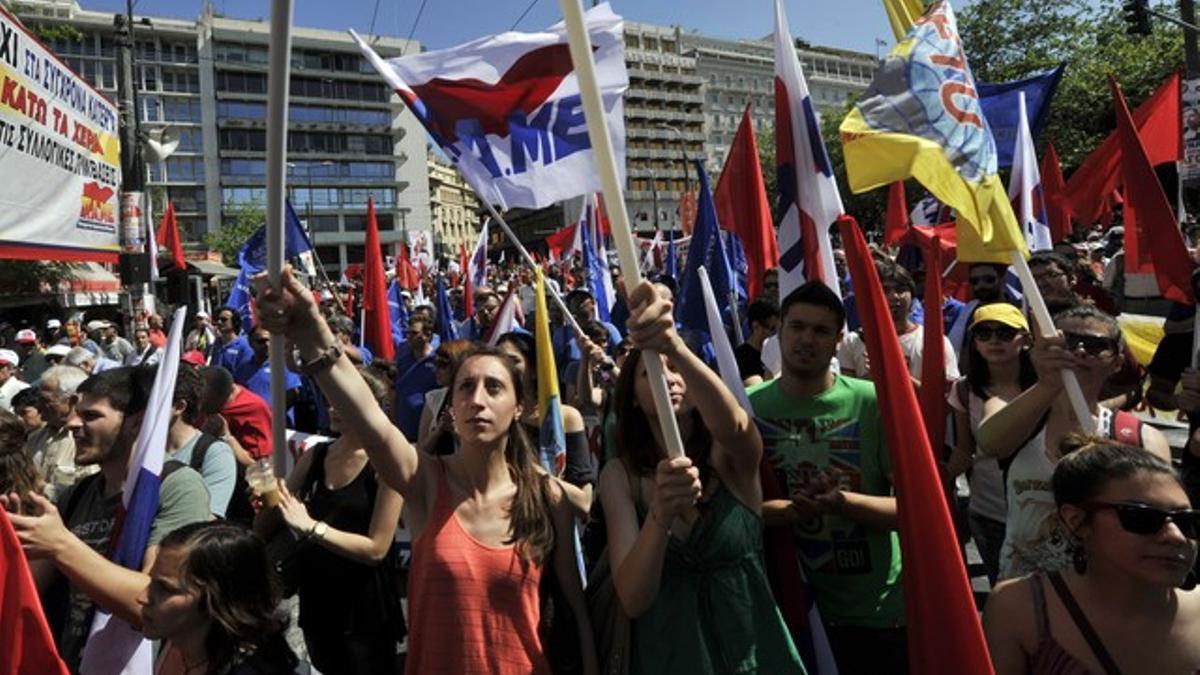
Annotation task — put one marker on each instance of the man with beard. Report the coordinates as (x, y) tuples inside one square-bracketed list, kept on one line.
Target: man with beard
[(67, 544), (828, 485)]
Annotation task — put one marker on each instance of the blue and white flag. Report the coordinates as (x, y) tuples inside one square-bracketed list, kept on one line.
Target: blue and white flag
[(507, 111), (113, 646), (397, 311), (999, 102), (1025, 186), (252, 258), (479, 259), (599, 279)]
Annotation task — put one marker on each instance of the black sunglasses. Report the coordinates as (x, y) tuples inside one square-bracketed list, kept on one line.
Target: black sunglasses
[(985, 279), (1094, 345), (1002, 333), (1144, 519)]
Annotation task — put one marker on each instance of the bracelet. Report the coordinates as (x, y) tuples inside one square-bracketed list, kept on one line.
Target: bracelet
[(322, 361)]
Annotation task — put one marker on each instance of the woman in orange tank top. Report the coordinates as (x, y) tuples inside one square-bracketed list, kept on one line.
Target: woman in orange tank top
[(484, 521)]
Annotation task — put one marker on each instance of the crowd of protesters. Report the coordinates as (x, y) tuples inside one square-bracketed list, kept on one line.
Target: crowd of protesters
[(613, 557)]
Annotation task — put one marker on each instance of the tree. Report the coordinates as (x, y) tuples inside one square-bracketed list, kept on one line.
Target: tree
[(1011, 39), (229, 237)]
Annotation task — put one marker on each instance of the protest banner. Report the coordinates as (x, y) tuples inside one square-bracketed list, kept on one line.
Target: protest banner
[(60, 156)]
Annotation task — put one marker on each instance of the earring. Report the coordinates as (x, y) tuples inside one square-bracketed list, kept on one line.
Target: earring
[(1079, 560)]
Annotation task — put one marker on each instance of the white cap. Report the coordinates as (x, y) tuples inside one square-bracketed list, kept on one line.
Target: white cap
[(58, 350), (54, 323), (26, 335), (201, 315), (9, 357), (96, 324)]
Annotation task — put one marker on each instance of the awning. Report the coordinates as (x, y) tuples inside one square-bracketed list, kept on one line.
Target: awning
[(90, 277), (210, 268)]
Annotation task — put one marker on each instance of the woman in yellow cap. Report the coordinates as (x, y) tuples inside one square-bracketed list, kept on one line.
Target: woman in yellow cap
[(997, 366)]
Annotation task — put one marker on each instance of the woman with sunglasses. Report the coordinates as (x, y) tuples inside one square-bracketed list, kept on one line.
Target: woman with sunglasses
[(1025, 433), (998, 367), (1119, 607)]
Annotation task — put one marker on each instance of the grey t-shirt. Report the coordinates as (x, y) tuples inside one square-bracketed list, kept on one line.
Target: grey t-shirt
[(92, 515), (219, 471)]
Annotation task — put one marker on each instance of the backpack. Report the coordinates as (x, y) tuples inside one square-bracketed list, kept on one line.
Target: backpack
[(239, 509)]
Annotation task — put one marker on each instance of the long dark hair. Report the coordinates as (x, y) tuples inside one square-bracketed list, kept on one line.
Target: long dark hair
[(636, 445), (229, 568), (531, 528), (979, 373), (1089, 463)]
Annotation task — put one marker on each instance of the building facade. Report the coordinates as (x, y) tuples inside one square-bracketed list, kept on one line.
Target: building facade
[(738, 73), (349, 137), (454, 208)]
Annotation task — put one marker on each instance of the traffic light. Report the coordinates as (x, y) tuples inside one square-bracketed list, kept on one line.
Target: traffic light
[(1137, 16)]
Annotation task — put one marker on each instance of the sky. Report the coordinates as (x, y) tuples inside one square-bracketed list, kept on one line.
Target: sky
[(848, 24)]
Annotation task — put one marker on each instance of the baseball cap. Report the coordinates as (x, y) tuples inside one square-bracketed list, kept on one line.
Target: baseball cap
[(58, 350), (201, 315), (54, 323), (1001, 312), (26, 336), (9, 357), (194, 357), (96, 324)]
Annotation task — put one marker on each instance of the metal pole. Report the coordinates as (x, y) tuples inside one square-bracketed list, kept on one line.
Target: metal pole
[(277, 113), (1191, 55)]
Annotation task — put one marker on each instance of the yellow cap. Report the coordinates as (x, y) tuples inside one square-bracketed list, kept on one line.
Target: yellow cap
[(1001, 312)]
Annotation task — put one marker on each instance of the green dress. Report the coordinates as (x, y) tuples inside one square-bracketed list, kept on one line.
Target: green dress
[(714, 612)]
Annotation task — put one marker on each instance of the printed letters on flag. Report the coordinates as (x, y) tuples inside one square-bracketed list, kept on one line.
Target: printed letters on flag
[(507, 111), (809, 202), (921, 118)]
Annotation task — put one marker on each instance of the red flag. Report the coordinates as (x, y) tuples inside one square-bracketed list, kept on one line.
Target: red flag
[(897, 215), (742, 206), (1149, 213), (944, 634), (1159, 125), (933, 351), (603, 224), (377, 322), (406, 274), (464, 269), (168, 237), (559, 243), (1058, 209), (25, 640)]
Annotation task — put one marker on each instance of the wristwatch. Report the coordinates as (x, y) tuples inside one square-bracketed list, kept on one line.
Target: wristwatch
[(320, 529)]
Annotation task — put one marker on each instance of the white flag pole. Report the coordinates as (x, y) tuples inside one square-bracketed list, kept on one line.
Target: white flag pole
[(606, 165), (1046, 326), (277, 105)]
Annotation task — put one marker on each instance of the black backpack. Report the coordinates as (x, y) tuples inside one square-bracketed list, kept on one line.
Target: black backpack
[(239, 509)]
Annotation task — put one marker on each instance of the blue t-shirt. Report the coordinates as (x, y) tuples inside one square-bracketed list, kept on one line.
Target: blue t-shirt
[(257, 378), (414, 378), (219, 471), (232, 355)]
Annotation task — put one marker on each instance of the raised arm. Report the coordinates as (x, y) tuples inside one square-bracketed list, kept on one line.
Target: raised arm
[(293, 313), (996, 435), (737, 442)]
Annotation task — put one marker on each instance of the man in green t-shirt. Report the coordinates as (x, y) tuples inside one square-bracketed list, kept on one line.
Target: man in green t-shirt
[(67, 543), (823, 437)]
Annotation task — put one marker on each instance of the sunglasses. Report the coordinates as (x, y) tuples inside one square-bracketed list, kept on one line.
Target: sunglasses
[(986, 279), (1093, 345), (1002, 333), (1144, 519)]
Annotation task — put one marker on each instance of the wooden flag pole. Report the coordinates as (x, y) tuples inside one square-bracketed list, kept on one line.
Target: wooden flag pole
[(606, 165), (1046, 326), (277, 106)]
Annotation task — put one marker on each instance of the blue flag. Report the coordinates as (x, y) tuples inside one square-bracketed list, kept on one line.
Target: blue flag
[(706, 250), (672, 264), (596, 269), (737, 258), (447, 329), (397, 311), (252, 258), (1000, 107)]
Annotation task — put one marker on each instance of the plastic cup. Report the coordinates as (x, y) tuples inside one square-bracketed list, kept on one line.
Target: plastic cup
[(261, 478)]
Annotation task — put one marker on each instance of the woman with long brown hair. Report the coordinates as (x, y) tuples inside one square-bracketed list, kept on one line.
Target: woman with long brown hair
[(484, 521), (685, 533)]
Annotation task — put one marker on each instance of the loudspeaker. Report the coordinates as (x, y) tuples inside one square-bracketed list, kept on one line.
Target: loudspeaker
[(134, 268)]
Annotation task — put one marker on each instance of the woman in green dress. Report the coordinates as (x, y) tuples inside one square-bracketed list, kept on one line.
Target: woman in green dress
[(685, 534)]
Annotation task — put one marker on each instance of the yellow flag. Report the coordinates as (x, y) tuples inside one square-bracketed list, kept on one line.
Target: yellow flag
[(902, 14), (921, 119)]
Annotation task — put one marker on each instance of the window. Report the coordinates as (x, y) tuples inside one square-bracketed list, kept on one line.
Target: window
[(355, 254), (244, 140), (243, 195), (242, 83), (243, 168), (324, 224), (185, 169), (151, 109), (187, 199), (330, 255), (181, 110), (191, 140)]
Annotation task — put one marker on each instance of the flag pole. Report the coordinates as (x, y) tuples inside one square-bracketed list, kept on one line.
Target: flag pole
[(277, 105), (495, 215), (606, 165), (1046, 327)]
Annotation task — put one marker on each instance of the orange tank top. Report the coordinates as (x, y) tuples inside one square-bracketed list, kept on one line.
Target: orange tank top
[(473, 608)]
